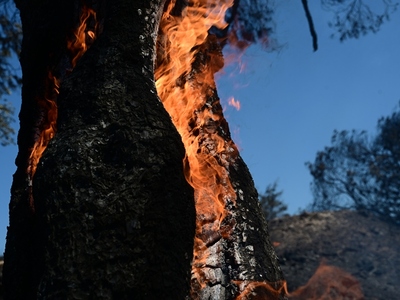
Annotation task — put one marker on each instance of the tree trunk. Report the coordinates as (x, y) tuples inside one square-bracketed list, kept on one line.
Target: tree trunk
[(233, 257), (114, 216), (111, 215), (241, 262)]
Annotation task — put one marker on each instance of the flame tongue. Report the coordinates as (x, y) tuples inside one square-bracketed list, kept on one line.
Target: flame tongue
[(84, 35), (185, 84), (48, 120)]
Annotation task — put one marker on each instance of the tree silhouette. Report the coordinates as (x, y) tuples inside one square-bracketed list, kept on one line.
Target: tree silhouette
[(354, 18), (271, 203), (360, 172), (10, 44)]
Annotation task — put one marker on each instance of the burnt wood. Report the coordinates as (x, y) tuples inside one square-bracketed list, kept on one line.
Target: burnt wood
[(114, 215)]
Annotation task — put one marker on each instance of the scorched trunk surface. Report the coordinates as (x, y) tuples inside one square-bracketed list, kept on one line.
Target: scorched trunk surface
[(114, 216)]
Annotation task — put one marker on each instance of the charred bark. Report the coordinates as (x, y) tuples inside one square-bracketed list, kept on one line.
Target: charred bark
[(114, 216), (44, 28), (242, 263)]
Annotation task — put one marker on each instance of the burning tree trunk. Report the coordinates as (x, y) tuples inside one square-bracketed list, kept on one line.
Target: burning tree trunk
[(111, 216), (233, 257)]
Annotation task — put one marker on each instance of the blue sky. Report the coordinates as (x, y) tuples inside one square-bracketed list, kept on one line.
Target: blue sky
[(292, 100)]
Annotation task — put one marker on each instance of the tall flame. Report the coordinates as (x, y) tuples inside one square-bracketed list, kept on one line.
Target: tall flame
[(47, 103), (185, 94)]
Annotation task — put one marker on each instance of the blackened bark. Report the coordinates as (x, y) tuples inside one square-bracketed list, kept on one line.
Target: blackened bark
[(242, 263), (250, 249), (114, 215), (45, 28)]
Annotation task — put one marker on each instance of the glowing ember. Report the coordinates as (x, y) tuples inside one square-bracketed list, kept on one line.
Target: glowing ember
[(47, 103), (276, 244), (234, 103)]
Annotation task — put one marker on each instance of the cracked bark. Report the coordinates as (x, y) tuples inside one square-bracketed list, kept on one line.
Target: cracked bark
[(242, 263), (245, 256), (114, 215)]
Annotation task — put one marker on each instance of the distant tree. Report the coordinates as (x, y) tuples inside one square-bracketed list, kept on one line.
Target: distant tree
[(360, 172), (354, 18), (10, 45), (6, 131), (271, 202)]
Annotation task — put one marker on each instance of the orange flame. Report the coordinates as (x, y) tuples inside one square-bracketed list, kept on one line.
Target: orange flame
[(184, 93), (48, 102), (330, 283), (84, 35), (261, 290), (234, 103)]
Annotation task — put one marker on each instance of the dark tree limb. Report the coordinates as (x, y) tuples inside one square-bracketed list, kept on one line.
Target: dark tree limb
[(310, 25)]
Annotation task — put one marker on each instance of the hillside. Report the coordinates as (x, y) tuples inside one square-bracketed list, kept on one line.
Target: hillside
[(361, 246)]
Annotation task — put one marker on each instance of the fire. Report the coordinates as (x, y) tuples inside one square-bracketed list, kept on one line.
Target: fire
[(187, 60), (234, 103), (84, 35), (330, 283), (262, 290), (47, 103), (189, 97), (48, 108)]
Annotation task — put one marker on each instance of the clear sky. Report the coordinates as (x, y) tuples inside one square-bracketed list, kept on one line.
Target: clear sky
[(292, 100)]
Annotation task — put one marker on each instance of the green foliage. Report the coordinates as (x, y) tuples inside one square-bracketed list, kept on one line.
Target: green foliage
[(10, 44), (360, 172), (271, 203)]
